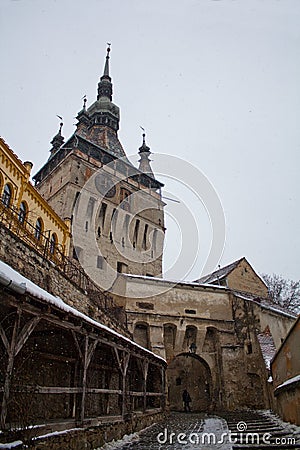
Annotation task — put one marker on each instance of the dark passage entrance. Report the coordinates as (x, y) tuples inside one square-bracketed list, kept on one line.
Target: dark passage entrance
[(188, 371)]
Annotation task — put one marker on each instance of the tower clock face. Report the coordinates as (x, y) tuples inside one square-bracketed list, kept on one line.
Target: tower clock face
[(105, 185)]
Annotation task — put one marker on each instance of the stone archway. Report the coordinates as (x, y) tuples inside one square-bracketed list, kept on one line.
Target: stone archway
[(189, 371)]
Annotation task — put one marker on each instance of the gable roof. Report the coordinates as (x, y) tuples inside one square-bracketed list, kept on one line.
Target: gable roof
[(219, 274)]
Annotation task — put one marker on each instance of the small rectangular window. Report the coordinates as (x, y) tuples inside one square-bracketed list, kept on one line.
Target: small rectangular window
[(90, 207), (100, 262), (121, 267), (190, 311), (145, 305), (102, 214), (76, 252)]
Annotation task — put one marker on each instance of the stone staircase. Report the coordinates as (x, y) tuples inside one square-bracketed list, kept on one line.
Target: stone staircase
[(261, 430)]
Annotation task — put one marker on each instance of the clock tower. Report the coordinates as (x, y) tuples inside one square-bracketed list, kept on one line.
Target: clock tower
[(90, 180)]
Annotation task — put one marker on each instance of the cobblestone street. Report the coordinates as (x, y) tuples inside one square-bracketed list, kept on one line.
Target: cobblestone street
[(178, 431), (189, 431)]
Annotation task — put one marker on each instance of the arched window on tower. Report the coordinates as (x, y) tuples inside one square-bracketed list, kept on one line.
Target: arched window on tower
[(145, 237), (22, 212), (136, 233), (7, 195), (38, 229), (114, 219), (141, 334)]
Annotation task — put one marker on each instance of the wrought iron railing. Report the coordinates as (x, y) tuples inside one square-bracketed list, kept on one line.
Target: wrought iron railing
[(26, 232)]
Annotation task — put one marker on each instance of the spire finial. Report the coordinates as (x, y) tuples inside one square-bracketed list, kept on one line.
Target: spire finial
[(84, 102), (58, 140), (60, 125), (145, 152), (106, 67), (105, 85), (144, 147)]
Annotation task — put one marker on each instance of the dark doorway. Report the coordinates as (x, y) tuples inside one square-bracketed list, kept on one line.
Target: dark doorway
[(188, 371)]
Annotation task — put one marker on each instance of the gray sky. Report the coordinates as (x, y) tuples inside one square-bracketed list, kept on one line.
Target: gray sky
[(215, 83)]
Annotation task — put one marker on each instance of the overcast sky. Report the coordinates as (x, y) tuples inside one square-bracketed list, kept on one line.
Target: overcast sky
[(215, 83)]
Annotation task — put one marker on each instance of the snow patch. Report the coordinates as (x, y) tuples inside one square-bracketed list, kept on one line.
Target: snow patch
[(11, 444), (56, 433), (127, 439)]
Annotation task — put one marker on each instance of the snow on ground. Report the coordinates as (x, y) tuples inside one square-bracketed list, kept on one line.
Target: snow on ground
[(56, 433), (127, 439)]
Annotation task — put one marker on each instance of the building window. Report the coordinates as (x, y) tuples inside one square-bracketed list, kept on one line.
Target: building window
[(126, 226), (102, 214), (22, 212), (77, 253), (136, 233), (53, 243), (121, 267), (124, 194), (90, 207), (154, 247), (7, 195), (114, 218), (38, 229), (100, 262), (190, 311), (145, 237)]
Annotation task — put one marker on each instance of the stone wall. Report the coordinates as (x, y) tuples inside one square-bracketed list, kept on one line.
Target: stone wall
[(244, 279), (286, 366), (226, 368), (95, 436), (45, 274)]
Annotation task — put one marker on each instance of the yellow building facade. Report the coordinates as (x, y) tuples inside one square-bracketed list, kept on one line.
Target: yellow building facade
[(24, 210)]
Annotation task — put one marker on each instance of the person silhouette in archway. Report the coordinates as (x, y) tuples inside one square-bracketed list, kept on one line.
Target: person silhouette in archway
[(186, 400)]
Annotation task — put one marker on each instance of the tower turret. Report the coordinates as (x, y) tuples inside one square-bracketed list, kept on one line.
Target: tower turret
[(144, 152), (57, 141)]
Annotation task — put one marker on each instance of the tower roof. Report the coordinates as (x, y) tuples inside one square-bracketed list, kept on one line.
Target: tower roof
[(105, 84), (57, 141), (144, 151)]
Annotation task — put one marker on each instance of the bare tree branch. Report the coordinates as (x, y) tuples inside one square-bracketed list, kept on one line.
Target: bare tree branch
[(283, 292)]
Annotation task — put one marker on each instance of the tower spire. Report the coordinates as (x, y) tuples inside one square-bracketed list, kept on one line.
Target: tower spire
[(106, 66), (105, 84), (58, 139), (144, 152)]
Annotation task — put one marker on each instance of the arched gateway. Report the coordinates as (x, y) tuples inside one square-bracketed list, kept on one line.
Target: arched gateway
[(191, 372)]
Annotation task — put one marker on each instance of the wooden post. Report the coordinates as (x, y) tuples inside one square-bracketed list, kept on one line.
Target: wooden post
[(87, 357), (163, 389), (124, 390), (13, 348), (145, 376), (123, 366), (85, 364)]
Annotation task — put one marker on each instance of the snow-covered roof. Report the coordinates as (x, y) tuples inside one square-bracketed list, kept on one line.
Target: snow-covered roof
[(265, 304), (11, 278), (174, 282), (288, 382), (219, 274)]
